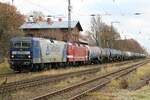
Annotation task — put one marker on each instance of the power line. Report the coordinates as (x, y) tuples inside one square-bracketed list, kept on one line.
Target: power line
[(44, 8), (39, 6)]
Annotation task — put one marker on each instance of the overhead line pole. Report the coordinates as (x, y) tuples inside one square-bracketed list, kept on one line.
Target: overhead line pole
[(12, 2), (69, 18)]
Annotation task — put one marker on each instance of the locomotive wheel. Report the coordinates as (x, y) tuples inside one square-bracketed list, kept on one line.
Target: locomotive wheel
[(40, 67), (19, 69), (55, 65), (34, 68), (48, 67)]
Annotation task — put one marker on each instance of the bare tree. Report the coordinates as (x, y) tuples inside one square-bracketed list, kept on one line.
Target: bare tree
[(96, 29), (107, 37), (104, 35), (10, 21)]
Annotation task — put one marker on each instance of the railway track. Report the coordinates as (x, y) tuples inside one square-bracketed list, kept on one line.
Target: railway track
[(11, 74), (76, 91), (12, 86)]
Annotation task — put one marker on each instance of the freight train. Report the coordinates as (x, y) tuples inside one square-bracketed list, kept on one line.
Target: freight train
[(32, 53)]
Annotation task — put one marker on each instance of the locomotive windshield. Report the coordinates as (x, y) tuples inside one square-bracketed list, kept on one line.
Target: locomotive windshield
[(21, 44)]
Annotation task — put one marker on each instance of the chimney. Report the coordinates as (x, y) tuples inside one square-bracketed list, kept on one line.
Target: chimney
[(40, 19), (60, 19), (49, 20), (30, 19)]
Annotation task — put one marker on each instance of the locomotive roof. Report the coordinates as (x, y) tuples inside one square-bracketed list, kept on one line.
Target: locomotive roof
[(21, 38), (33, 38), (25, 38), (53, 25)]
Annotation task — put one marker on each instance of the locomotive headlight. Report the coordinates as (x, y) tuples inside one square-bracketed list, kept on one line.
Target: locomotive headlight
[(29, 56), (12, 56)]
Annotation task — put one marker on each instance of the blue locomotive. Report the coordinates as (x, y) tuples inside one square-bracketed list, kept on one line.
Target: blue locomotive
[(35, 53)]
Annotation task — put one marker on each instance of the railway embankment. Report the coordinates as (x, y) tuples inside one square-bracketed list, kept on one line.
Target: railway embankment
[(31, 92), (6, 72), (4, 67)]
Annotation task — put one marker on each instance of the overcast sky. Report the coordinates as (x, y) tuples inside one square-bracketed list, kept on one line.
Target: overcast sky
[(131, 26)]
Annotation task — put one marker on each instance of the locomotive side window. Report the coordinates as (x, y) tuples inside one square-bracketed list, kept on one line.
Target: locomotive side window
[(21, 44), (26, 45), (17, 44)]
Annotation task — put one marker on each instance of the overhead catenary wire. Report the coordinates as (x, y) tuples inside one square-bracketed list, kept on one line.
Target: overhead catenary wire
[(37, 5), (46, 9)]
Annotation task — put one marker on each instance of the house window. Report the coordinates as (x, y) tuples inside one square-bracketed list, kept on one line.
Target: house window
[(64, 30)]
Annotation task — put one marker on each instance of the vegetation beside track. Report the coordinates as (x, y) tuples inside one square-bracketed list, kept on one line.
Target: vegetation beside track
[(121, 94), (132, 80), (123, 89), (4, 67)]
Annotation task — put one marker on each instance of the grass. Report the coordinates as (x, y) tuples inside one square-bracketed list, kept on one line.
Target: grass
[(118, 89), (4, 67), (69, 81), (132, 78), (139, 74), (142, 94), (120, 94)]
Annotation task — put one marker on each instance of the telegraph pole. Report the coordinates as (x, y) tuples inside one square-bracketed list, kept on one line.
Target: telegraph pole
[(111, 39), (69, 18), (12, 2)]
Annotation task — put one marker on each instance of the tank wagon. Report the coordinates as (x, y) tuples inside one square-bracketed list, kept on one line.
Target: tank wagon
[(32, 53)]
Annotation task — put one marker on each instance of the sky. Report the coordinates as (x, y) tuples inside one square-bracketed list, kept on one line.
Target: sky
[(122, 11)]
